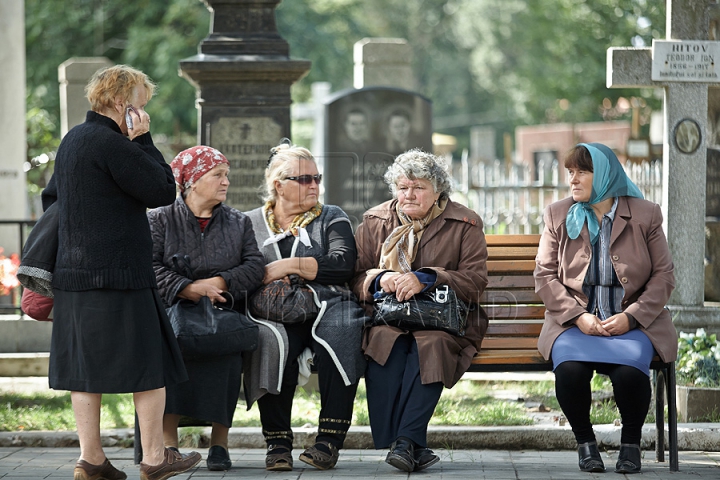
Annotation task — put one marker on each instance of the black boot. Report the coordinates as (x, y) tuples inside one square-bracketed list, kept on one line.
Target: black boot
[(424, 458), (401, 455), (589, 458), (628, 459)]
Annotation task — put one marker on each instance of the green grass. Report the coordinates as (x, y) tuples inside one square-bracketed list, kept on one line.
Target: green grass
[(468, 403)]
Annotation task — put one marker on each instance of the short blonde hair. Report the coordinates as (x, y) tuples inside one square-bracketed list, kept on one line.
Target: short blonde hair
[(117, 81), (279, 167)]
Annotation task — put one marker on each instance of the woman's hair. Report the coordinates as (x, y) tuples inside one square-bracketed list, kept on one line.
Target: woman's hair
[(415, 164), (117, 81), (579, 157), (279, 166)]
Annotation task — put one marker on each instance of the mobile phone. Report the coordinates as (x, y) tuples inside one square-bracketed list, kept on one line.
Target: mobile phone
[(128, 117)]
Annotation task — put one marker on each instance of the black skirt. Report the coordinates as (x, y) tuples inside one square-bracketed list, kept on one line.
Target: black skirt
[(212, 392), (112, 341)]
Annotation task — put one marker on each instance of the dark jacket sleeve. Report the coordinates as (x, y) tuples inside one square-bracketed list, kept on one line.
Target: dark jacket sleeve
[(49, 194), (242, 280), (170, 283), (338, 266)]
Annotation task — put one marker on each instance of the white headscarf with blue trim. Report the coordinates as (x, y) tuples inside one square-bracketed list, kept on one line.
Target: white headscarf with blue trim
[(609, 180)]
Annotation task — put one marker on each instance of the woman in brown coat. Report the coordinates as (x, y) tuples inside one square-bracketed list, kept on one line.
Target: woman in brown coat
[(605, 274), (414, 243)]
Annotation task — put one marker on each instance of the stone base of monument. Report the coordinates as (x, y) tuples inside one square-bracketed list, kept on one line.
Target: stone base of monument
[(689, 319), (697, 404)]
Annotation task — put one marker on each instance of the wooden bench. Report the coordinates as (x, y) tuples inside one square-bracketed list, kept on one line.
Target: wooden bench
[(516, 316)]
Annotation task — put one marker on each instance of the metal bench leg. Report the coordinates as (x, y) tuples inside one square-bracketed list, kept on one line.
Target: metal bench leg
[(659, 377), (137, 442), (672, 418)]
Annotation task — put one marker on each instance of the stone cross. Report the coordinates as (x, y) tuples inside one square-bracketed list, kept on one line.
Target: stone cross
[(684, 151), (13, 199)]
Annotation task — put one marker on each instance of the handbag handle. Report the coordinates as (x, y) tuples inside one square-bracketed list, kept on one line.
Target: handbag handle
[(232, 301)]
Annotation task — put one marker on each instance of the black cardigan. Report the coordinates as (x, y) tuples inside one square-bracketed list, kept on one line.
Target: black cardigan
[(103, 184)]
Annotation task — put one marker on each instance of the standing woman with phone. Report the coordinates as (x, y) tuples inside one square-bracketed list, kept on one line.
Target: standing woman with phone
[(110, 331)]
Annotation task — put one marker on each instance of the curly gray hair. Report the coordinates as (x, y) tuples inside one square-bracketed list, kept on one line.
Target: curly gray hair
[(279, 167), (415, 164)]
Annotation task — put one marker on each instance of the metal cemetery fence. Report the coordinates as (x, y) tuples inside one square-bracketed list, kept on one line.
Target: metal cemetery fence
[(510, 201)]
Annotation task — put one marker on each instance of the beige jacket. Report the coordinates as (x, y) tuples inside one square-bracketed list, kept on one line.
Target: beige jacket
[(640, 256)]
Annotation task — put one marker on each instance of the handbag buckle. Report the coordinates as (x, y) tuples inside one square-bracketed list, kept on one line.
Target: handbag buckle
[(441, 296)]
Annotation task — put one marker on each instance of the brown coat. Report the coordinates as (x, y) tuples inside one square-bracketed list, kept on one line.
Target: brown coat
[(640, 256), (453, 246)]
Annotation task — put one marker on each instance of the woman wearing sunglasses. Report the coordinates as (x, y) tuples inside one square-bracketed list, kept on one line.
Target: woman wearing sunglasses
[(302, 238)]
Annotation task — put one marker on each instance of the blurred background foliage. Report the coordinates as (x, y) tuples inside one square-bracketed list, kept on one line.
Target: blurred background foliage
[(499, 63)]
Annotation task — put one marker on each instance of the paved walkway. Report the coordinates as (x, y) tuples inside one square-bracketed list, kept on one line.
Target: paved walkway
[(25, 463)]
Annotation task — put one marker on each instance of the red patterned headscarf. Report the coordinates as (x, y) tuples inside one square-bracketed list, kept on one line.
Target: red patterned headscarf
[(191, 164)]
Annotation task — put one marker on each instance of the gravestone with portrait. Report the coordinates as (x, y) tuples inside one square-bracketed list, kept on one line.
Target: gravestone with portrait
[(365, 130)]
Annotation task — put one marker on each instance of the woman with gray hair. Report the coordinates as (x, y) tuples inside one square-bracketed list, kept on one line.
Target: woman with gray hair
[(416, 242), (311, 243)]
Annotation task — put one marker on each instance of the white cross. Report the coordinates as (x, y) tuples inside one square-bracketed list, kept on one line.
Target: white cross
[(684, 174)]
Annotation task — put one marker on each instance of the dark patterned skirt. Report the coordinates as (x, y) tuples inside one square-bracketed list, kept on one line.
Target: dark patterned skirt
[(112, 341)]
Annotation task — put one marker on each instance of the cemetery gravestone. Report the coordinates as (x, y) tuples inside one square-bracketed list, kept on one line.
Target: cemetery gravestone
[(243, 74), (365, 130)]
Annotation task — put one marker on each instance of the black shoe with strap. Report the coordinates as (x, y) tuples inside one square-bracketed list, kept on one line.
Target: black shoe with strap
[(402, 455), (589, 459), (424, 458)]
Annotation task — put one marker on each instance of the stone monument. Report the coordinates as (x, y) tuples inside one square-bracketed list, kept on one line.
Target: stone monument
[(73, 75), (243, 74), (683, 65), (366, 127), (13, 201)]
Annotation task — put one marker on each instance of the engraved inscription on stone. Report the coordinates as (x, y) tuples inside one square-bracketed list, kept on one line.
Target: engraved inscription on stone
[(685, 61), (246, 142)]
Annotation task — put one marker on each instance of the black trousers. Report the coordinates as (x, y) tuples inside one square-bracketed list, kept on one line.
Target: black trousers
[(632, 395), (399, 404), (336, 399)]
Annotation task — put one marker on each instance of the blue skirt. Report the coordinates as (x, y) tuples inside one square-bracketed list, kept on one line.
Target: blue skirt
[(632, 348)]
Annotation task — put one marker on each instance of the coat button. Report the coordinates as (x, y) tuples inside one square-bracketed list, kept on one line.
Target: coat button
[(474, 222), (624, 280), (465, 219), (615, 257)]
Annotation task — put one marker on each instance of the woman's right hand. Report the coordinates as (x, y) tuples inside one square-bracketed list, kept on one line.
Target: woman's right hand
[(387, 281), (589, 324), (198, 289)]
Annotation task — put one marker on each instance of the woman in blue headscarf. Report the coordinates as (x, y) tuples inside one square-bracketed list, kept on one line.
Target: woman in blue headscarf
[(605, 273)]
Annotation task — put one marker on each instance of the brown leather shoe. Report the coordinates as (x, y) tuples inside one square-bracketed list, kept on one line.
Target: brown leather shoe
[(105, 471), (174, 463)]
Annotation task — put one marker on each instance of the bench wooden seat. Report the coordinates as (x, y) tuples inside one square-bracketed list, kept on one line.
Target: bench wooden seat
[(516, 317)]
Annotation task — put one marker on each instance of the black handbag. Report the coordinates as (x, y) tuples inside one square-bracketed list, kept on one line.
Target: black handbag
[(206, 330), (433, 310), (284, 302)]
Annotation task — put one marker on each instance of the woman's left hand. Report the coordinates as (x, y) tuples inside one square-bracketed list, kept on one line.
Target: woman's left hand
[(617, 324), (407, 285)]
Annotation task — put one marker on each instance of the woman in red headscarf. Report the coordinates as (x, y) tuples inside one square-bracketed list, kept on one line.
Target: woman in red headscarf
[(202, 247)]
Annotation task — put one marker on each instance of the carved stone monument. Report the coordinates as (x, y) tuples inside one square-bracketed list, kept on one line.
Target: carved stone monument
[(243, 74)]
